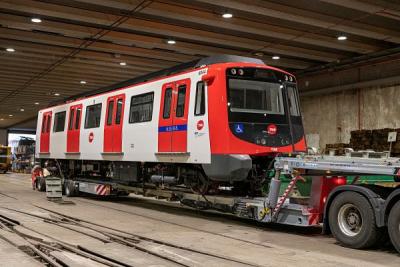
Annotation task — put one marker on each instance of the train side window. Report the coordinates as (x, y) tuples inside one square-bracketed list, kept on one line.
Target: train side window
[(180, 104), (141, 109), (200, 101), (78, 119), (119, 111), (59, 121), (167, 103), (93, 115), (110, 112), (293, 104), (71, 119)]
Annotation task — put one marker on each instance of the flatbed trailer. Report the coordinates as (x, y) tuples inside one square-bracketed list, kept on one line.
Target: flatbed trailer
[(358, 215)]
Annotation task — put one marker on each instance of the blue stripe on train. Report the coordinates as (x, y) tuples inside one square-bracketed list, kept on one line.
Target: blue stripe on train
[(172, 128)]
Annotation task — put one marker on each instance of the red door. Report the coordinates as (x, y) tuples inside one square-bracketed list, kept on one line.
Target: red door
[(74, 128), (114, 123), (45, 133), (172, 126)]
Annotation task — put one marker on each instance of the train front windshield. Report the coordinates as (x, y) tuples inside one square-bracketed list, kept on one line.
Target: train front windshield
[(258, 98), (255, 97)]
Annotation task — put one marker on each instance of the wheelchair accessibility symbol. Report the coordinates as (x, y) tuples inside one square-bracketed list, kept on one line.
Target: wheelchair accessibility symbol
[(239, 128)]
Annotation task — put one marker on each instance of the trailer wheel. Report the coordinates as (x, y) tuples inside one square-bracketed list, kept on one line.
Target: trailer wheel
[(41, 184), (352, 221), (70, 190), (394, 225)]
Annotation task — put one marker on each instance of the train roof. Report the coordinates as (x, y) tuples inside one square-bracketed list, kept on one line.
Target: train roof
[(164, 72)]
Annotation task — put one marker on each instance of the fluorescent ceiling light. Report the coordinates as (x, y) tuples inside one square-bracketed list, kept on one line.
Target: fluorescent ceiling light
[(227, 15), (36, 20)]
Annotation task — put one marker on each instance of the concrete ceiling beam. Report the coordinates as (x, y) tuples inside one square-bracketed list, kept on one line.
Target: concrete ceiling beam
[(379, 8)]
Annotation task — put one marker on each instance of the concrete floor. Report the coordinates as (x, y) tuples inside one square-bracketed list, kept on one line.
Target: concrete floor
[(265, 245)]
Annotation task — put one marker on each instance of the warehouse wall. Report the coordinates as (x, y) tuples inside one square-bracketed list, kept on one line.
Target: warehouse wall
[(333, 116)]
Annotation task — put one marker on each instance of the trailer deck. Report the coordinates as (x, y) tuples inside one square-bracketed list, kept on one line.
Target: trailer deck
[(329, 184)]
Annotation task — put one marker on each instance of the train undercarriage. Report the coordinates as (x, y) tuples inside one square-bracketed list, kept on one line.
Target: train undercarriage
[(248, 180)]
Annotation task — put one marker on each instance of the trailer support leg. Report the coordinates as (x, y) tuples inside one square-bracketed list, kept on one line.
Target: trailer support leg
[(274, 189)]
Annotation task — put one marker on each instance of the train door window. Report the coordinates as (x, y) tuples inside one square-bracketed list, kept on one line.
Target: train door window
[(119, 111), (48, 123), (59, 121), (78, 118), (200, 102), (71, 119), (93, 115), (293, 103), (167, 103), (180, 103), (110, 112), (44, 123)]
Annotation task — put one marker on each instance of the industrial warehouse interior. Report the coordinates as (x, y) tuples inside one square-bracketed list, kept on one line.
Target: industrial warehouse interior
[(199, 133)]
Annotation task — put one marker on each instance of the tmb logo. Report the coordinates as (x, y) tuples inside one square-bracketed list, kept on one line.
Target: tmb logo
[(200, 125)]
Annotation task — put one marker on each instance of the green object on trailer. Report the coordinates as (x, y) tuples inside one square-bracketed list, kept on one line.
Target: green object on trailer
[(304, 188), (372, 179)]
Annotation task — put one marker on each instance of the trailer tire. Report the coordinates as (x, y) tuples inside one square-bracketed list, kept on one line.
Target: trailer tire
[(394, 225), (41, 184), (70, 190), (352, 221)]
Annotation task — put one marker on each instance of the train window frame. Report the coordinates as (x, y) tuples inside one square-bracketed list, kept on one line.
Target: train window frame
[(140, 105), (78, 118), (167, 111), (44, 119), (119, 111), (200, 99), (48, 123), (59, 126), (110, 110), (71, 119), (90, 111), (180, 107)]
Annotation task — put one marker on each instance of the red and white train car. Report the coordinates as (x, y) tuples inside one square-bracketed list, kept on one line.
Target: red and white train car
[(218, 120)]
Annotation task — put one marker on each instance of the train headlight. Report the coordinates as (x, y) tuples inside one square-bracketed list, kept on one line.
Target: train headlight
[(233, 71), (241, 72), (263, 141)]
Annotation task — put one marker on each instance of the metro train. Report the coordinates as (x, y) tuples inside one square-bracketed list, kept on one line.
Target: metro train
[(209, 125)]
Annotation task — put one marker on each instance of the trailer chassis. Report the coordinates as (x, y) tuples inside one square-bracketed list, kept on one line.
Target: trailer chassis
[(357, 215)]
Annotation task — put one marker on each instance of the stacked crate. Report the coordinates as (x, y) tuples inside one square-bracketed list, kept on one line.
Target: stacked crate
[(376, 140), (361, 140), (339, 148)]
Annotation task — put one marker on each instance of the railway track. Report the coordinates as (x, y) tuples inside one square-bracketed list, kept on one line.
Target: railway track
[(5, 195), (168, 252), (178, 224)]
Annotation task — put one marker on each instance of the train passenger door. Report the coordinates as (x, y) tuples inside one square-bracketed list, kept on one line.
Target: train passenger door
[(113, 124), (74, 128), (172, 126), (45, 133)]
